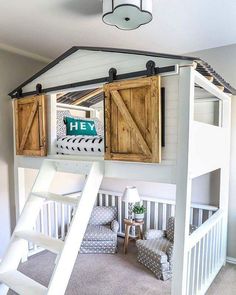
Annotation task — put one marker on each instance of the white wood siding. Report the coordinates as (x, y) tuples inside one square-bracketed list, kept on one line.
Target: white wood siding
[(85, 65), (206, 111), (171, 85)]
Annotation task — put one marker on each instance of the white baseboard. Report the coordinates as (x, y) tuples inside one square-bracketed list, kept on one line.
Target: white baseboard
[(231, 260)]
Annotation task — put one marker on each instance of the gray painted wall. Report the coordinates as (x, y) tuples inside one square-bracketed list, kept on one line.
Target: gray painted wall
[(223, 60), (14, 69)]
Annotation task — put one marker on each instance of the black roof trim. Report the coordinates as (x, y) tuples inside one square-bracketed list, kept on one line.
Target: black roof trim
[(201, 64), (104, 49), (45, 69)]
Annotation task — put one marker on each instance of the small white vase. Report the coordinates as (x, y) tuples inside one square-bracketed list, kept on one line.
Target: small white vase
[(138, 217)]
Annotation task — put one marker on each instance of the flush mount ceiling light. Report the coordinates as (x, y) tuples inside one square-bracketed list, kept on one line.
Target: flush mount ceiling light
[(127, 14)]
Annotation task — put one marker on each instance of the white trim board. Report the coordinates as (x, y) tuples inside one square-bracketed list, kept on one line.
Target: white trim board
[(231, 260), (25, 53)]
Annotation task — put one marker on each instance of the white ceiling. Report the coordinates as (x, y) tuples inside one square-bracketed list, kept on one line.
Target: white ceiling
[(49, 27)]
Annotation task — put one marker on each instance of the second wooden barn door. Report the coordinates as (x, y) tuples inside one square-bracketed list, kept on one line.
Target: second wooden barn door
[(30, 126), (133, 118)]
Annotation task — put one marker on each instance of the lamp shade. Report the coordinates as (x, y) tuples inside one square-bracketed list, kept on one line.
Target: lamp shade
[(131, 195), (127, 14)]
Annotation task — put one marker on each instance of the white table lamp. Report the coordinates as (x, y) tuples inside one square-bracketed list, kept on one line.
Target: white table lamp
[(130, 196)]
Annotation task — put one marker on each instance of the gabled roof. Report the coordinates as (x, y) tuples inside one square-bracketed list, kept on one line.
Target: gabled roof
[(202, 67)]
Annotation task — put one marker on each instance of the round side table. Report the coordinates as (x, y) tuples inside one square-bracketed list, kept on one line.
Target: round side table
[(128, 223)]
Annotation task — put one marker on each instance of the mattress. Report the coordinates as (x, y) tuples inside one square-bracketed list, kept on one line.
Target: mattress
[(80, 145)]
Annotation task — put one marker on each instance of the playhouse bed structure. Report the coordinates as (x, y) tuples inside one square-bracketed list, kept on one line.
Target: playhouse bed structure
[(166, 119)]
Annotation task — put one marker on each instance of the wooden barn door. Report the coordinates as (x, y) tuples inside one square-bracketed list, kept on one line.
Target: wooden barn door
[(133, 120), (30, 126)]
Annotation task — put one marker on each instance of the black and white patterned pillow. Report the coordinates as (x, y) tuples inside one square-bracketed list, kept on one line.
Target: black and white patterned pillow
[(170, 231), (61, 127)]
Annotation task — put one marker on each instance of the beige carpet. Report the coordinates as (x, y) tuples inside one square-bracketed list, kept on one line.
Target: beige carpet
[(100, 274), (225, 282), (116, 275)]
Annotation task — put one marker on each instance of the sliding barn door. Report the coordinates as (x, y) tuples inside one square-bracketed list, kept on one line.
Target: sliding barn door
[(30, 126), (133, 118)]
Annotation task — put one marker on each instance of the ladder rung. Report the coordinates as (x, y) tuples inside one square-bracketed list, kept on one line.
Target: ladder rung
[(22, 284), (46, 242), (56, 198)]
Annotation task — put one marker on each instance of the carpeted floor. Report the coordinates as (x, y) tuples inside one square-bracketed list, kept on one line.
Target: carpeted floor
[(116, 275)]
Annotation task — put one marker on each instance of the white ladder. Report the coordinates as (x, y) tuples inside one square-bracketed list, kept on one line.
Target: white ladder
[(66, 250)]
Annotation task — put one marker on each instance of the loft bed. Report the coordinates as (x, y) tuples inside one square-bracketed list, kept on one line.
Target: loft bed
[(80, 105), (171, 140), (90, 145)]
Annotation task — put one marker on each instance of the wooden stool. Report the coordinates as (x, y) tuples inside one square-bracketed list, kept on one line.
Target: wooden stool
[(128, 223)]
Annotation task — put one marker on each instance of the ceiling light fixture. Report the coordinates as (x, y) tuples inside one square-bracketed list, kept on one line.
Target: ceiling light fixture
[(127, 14)]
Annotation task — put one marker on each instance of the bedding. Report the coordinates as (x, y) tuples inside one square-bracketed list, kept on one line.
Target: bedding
[(80, 145)]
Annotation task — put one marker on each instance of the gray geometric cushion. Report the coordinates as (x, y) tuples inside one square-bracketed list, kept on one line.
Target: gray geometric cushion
[(61, 127), (155, 247), (98, 244), (115, 226), (99, 233), (170, 231), (154, 234), (152, 254), (102, 215)]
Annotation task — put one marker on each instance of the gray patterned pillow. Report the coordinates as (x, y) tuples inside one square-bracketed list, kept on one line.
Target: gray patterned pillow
[(102, 215), (170, 231), (61, 127)]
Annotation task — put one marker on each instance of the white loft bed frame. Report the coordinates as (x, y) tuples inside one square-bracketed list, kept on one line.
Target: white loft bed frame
[(202, 148), (52, 118)]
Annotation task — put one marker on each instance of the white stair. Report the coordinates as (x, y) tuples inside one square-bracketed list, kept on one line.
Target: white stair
[(56, 198), (22, 284), (67, 250), (51, 244)]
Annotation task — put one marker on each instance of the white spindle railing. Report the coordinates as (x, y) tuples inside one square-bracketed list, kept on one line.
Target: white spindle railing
[(54, 218), (205, 254), (158, 210)]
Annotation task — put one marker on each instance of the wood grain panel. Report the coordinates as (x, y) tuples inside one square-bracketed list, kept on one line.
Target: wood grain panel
[(133, 120), (30, 126)]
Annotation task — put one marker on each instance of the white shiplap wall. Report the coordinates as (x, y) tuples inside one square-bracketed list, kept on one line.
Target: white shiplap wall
[(85, 65), (171, 84)]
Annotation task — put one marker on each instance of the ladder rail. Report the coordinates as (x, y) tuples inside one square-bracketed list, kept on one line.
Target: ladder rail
[(74, 238), (18, 247), (67, 250)]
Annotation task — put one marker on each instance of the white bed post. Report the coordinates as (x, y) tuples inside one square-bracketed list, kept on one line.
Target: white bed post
[(183, 181), (52, 123), (20, 196), (225, 171)]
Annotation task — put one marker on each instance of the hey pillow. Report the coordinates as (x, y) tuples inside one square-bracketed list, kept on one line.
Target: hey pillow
[(80, 127)]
